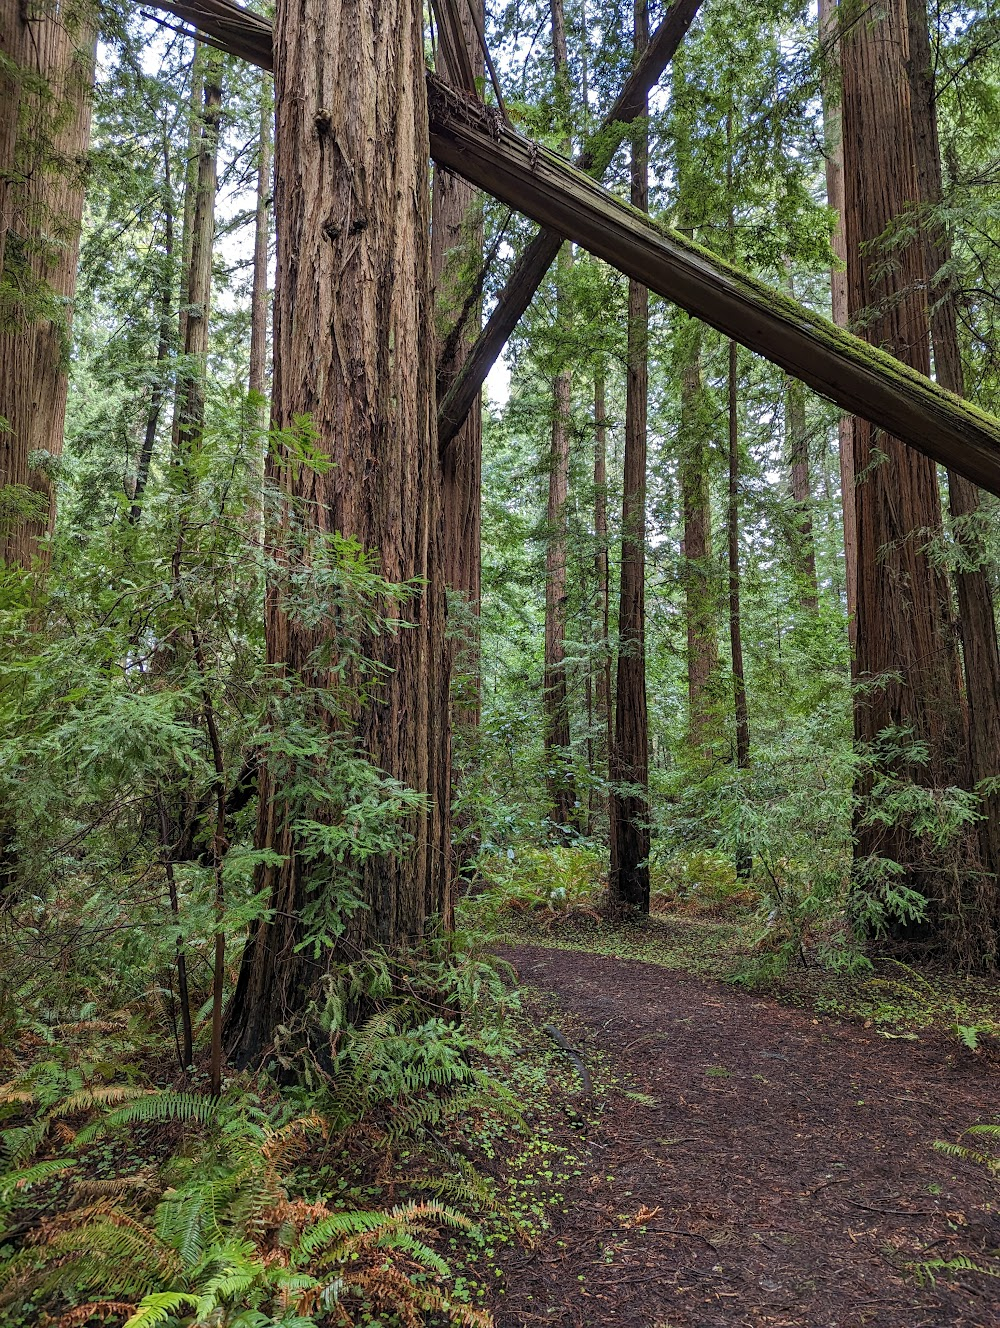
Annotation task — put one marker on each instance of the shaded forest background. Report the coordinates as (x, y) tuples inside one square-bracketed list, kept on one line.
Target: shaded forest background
[(688, 641)]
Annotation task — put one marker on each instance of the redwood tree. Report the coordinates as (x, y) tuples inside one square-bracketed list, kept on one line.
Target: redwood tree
[(907, 656), (977, 619), (45, 79), (630, 754), (560, 782), (353, 352)]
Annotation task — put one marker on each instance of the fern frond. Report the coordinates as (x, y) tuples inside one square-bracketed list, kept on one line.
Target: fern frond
[(16, 1181), (155, 1106), (159, 1307), (99, 1095)]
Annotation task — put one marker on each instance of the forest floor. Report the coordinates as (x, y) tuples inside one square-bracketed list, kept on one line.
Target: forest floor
[(748, 1163)]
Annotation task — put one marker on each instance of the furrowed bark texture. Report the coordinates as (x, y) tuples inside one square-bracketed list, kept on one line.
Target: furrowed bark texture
[(629, 879), (456, 249), (44, 137), (906, 645), (977, 618), (559, 777), (354, 350), (456, 259), (833, 134)]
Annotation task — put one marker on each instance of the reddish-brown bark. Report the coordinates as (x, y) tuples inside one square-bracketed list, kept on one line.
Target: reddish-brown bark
[(977, 619), (352, 216), (629, 807), (907, 657), (43, 148)]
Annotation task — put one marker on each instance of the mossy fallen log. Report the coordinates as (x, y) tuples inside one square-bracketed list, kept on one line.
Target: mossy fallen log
[(475, 143), (838, 365)]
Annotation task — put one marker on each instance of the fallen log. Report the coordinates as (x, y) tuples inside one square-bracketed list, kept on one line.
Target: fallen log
[(859, 378), (540, 253), (474, 142)]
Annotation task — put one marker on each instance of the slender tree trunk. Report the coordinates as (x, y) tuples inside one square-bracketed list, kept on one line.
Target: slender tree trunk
[(802, 541), (163, 345), (838, 290), (743, 858), (561, 784), (630, 836), (604, 717), (456, 259), (907, 656), (699, 591), (975, 599), (44, 136), (190, 406), (257, 378), (353, 344)]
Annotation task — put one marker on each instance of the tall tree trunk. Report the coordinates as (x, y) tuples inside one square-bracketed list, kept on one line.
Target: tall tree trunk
[(907, 656), (742, 855), (630, 836), (975, 599), (699, 592), (456, 259), (603, 707), (257, 378), (561, 784), (832, 132), (44, 135), (163, 346), (803, 544), (353, 344), (190, 404)]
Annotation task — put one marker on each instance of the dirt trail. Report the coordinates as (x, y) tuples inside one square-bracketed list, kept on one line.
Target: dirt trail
[(783, 1174)]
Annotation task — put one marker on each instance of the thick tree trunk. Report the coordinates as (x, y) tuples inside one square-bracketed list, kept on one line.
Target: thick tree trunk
[(907, 658), (603, 704), (189, 412), (563, 808), (44, 135), (354, 351), (456, 257), (975, 599), (699, 590), (630, 835), (742, 715), (832, 132)]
